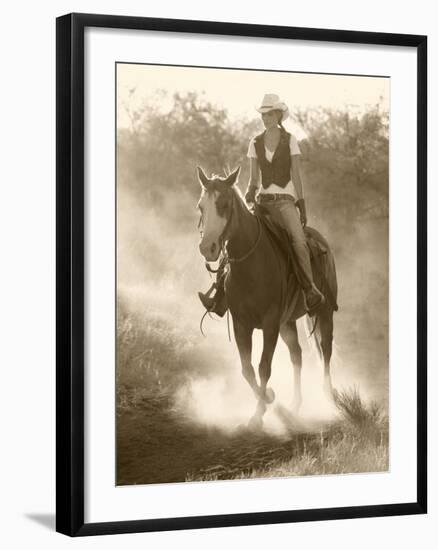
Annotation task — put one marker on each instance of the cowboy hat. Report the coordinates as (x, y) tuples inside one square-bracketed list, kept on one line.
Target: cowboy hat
[(272, 102)]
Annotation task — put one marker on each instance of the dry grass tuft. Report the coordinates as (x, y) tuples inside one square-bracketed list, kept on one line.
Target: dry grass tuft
[(366, 421)]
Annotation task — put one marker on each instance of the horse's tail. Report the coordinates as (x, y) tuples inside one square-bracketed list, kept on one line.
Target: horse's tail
[(314, 330)]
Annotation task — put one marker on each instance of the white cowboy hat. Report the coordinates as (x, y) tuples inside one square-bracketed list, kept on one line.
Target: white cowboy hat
[(272, 102)]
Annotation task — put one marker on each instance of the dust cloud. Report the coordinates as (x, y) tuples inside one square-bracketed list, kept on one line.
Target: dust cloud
[(160, 270)]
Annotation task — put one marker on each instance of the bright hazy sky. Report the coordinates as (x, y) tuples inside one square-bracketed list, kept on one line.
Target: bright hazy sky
[(240, 91)]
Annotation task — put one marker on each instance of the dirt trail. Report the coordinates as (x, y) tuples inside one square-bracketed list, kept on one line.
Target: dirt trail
[(157, 444)]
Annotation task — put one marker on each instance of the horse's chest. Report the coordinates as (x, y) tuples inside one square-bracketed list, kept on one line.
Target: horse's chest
[(251, 297)]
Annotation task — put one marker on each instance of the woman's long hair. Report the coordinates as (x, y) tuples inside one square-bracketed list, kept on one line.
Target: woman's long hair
[(280, 123)]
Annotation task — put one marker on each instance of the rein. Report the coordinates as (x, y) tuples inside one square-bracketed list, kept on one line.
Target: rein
[(251, 250)]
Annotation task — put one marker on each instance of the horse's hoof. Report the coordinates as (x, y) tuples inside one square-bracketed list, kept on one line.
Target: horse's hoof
[(269, 395), (256, 423)]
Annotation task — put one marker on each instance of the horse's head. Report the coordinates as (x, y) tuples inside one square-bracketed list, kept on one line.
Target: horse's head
[(215, 204)]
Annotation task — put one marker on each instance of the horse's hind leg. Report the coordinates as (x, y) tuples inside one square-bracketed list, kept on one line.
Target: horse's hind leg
[(288, 332), (326, 328)]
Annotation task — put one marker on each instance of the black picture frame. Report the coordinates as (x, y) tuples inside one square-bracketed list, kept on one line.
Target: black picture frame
[(70, 273)]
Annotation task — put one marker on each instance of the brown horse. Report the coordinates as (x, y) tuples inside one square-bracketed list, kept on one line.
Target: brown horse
[(255, 287)]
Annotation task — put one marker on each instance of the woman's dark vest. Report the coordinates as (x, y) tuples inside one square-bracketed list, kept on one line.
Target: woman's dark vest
[(278, 170)]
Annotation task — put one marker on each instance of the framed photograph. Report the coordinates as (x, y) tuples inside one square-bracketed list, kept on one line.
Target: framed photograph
[(241, 274)]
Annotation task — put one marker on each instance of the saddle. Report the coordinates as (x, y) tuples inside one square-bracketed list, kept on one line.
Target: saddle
[(319, 250)]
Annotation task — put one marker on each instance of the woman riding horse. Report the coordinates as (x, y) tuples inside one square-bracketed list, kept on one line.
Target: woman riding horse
[(275, 154)]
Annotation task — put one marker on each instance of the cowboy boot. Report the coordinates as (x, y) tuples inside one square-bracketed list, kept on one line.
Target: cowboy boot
[(206, 299), (217, 303), (314, 299)]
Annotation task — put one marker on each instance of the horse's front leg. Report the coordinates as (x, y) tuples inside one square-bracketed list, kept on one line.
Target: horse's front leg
[(243, 336), (266, 395)]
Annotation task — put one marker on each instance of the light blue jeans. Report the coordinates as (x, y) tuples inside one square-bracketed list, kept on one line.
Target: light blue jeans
[(285, 213)]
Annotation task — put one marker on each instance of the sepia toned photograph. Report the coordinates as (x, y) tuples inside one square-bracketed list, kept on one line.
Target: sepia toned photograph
[(252, 274)]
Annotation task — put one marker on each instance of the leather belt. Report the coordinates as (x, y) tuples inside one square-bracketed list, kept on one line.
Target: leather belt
[(274, 196)]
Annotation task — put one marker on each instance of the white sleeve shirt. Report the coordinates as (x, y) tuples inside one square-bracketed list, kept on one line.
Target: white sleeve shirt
[(294, 150)]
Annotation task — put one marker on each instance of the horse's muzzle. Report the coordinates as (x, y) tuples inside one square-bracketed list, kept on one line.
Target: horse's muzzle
[(210, 250)]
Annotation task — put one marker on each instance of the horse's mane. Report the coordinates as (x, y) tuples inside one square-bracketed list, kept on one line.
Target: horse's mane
[(217, 183), (235, 188)]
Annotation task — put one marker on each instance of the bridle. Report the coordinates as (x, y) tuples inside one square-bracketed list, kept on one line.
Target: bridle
[(223, 238)]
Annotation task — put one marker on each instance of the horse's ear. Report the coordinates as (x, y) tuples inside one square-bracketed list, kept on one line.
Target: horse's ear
[(232, 178), (203, 180)]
